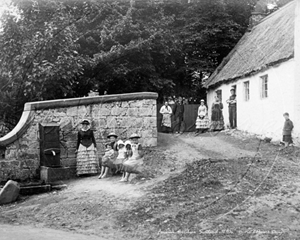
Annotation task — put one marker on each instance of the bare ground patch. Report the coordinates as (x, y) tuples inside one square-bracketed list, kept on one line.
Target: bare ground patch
[(205, 187)]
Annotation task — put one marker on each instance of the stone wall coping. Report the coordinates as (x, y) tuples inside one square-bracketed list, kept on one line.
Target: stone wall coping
[(71, 102), (30, 107), (18, 130)]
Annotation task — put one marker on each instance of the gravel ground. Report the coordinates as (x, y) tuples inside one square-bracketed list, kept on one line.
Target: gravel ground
[(213, 186)]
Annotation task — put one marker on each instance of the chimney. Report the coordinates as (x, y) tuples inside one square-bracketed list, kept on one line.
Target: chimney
[(255, 18)]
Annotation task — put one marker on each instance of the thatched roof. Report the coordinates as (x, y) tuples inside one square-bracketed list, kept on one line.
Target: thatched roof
[(269, 43)]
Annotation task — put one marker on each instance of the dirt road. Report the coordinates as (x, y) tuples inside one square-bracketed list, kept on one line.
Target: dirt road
[(13, 232), (94, 207)]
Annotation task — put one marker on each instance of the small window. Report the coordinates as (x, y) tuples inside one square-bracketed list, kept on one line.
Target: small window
[(246, 91), (264, 86), (219, 94)]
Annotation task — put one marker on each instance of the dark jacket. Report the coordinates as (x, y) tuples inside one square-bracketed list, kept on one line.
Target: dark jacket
[(232, 98), (86, 138), (288, 127), (179, 110)]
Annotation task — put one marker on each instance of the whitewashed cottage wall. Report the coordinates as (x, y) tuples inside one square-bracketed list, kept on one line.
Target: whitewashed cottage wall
[(262, 115)]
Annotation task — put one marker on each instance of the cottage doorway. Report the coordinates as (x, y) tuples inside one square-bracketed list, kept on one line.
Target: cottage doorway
[(235, 117)]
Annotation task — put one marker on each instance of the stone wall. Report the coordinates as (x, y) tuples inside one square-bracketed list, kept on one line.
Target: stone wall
[(123, 113)]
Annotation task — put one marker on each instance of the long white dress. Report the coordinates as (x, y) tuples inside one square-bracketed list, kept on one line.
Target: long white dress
[(202, 121)]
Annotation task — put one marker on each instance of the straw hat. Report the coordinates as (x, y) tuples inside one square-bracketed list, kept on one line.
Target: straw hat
[(112, 134), (134, 135), (85, 121)]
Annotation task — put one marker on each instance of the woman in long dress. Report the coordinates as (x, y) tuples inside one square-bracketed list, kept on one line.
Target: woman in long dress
[(202, 121), (87, 162), (217, 121), (166, 111)]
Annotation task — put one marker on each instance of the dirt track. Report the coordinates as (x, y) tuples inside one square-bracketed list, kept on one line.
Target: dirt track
[(94, 207)]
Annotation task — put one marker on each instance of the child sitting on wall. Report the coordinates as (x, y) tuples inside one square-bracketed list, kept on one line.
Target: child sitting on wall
[(135, 158), (107, 160), (127, 153), (122, 155)]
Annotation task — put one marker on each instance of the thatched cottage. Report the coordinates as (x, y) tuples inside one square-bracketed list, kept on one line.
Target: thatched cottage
[(264, 68)]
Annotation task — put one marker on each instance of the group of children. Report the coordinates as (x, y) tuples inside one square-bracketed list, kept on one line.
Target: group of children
[(123, 156)]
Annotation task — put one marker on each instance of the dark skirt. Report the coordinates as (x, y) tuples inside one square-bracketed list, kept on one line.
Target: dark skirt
[(216, 115), (217, 122), (287, 138)]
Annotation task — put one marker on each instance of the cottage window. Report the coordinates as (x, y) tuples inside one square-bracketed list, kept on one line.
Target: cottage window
[(264, 86), (219, 94), (246, 91)]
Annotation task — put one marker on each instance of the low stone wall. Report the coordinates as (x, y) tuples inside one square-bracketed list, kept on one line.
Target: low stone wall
[(123, 113)]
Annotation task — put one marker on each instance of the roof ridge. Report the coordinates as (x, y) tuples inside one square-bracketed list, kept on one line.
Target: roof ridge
[(265, 45), (274, 13)]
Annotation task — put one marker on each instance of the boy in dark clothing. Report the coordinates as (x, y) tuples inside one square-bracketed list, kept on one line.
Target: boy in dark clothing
[(178, 113), (232, 108), (287, 130)]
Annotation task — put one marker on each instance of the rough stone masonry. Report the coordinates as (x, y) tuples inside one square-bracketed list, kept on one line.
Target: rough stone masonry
[(122, 113)]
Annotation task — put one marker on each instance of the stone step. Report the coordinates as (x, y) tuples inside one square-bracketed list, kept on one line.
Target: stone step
[(30, 190)]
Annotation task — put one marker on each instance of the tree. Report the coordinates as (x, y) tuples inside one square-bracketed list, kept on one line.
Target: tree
[(57, 49), (39, 59)]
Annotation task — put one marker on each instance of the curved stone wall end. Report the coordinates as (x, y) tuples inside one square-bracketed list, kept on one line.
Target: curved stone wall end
[(30, 107)]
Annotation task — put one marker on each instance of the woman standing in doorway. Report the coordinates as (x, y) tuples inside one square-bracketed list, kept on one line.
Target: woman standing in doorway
[(217, 121), (166, 111), (87, 162)]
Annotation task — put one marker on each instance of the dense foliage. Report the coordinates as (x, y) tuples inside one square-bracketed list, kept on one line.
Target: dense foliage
[(55, 49)]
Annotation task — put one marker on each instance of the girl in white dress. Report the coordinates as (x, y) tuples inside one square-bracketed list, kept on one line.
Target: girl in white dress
[(122, 155), (202, 121)]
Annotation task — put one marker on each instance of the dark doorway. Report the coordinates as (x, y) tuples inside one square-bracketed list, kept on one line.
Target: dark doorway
[(49, 145)]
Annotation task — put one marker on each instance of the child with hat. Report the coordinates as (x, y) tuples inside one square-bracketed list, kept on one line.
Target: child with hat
[(128, 152), (122, 155), (135, 157), (108, 162)]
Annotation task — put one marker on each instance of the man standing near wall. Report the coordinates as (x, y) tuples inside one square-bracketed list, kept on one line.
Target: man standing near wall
[(232, 108), (178, 113)]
